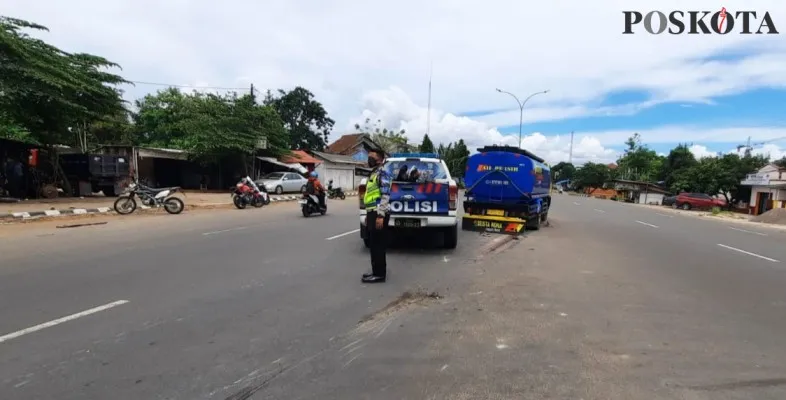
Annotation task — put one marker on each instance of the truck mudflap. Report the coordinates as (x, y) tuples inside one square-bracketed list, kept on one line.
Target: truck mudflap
[(493, 224)]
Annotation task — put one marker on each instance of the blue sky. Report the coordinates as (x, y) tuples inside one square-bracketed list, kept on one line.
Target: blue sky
[(761, 107)]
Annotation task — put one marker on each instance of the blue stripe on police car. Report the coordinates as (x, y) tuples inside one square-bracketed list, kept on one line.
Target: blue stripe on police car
[(414, 206)]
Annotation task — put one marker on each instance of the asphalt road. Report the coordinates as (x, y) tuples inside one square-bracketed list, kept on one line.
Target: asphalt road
[(200, 305), (612, 301)]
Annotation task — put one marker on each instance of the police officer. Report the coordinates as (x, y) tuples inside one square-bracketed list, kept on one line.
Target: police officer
[(377, 201)]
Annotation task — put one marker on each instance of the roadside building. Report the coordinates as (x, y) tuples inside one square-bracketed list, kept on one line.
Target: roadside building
[(639, 192), (355, 145), (768, 189), (301, 157), (338, 168)]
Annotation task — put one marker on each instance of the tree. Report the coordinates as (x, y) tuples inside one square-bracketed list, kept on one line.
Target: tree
[(427, 146), (563, 171), (391, 141), (46, 91), (680, 158), (210, 127), (591, 175), (304, 118), (639, 162)]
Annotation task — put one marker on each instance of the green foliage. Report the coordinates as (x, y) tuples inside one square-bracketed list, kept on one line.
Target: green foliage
[(563, 171), (455, 156), (46, 91), (591, 175), (639, 163), (426, 146), (208, 126), (390, 140), (304, 118)]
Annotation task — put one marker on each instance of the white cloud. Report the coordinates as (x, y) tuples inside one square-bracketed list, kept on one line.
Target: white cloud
[(345, 50), (397, 111), (340, 49), (700, 151)]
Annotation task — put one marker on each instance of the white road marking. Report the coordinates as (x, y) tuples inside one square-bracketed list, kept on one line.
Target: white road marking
[(743, 230), (343, 234), (59, 321), (239, 228), (664, 215), (650, 225), (600, 211), (576, 203), (748, 253)]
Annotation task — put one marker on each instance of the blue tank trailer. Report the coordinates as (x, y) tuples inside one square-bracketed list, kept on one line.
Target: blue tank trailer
[(508, 190)]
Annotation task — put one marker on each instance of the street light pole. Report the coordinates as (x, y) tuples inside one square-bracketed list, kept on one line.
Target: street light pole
[(521, 107)]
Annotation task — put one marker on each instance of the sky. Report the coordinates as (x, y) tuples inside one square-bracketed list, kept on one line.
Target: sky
[(373, 60)]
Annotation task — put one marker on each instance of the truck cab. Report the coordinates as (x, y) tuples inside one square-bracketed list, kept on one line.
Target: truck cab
[(423, 197)]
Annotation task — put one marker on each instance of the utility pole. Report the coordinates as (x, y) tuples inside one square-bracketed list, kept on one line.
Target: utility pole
[(570, 156), (428, 116), (252, 93)]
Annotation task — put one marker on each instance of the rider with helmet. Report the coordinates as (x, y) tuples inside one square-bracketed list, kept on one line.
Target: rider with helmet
[(314, 186)]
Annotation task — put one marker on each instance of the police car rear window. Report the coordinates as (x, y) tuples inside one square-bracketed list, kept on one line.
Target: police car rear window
[(427, 171)]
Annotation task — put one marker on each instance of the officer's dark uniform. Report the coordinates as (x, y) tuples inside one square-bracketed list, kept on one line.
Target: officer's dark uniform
[(377, 202)]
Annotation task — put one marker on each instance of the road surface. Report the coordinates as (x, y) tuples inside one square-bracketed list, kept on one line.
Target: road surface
[(612, 301)]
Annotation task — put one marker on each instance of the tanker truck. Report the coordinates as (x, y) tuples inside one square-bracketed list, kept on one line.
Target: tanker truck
[(508, 190)]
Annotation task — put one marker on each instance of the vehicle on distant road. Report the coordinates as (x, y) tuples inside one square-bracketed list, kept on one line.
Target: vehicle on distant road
[(688, 201), (309, 205), (423, 197), (335, 192), (281, 182), (247, 192), (151, 197), (669, 201), (508, 189)]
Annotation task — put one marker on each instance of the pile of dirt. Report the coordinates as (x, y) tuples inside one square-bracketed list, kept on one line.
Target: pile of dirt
[(775, 216)]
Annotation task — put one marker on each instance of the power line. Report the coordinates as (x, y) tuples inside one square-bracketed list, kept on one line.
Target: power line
[(188, 86)]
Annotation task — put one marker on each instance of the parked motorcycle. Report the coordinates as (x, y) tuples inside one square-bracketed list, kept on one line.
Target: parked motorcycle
[(247, 192), (332, 192), (309, 205), (151, 197)]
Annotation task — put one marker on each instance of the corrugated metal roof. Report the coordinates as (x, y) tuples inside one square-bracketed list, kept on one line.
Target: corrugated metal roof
[(337, 158)]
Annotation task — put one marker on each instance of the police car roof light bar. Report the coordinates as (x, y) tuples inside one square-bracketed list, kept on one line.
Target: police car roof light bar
[(414, 155)]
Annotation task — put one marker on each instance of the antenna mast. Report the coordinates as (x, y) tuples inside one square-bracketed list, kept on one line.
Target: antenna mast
[(428, 116)]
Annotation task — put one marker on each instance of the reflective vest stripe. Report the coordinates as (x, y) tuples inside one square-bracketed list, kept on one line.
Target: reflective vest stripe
[(372, 192)]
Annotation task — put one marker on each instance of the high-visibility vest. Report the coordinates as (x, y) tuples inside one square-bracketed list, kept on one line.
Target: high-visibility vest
[(372, 192)]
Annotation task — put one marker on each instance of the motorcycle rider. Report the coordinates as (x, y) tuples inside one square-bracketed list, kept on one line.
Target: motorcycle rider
[(314, 186)]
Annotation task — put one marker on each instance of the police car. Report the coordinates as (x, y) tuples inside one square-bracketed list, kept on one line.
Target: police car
[(423, 197)]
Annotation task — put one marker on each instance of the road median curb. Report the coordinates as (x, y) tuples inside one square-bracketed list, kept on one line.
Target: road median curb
[(34, 215)]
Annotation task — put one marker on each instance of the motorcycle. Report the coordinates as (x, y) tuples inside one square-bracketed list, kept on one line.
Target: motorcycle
[(309, 205), (333, 193), (151, 197), (247, 192)]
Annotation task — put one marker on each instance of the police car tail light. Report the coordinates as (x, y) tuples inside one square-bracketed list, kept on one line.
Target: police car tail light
[(361, 193), (453, 200)]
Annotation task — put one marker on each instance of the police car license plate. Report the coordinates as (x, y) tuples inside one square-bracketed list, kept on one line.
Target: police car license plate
[(407, 223), (496, 213)]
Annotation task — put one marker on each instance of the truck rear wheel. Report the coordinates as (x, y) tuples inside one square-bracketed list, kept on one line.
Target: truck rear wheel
[(533, 224), (451, 237)]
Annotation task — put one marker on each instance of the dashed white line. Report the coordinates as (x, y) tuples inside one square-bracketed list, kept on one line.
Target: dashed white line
[(577, 203), (343, 234), (650, 225), (748, 253), (743, 230), (600, 211), (664, 215), (59, 321), (225, 230)]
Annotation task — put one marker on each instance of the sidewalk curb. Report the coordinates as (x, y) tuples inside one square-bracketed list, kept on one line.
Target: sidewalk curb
[(26, 215)]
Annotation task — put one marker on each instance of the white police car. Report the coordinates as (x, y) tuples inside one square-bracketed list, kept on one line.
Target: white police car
[(423, 197)]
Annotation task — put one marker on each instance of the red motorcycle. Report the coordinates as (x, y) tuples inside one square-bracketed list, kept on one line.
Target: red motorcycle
[(247, 192)]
